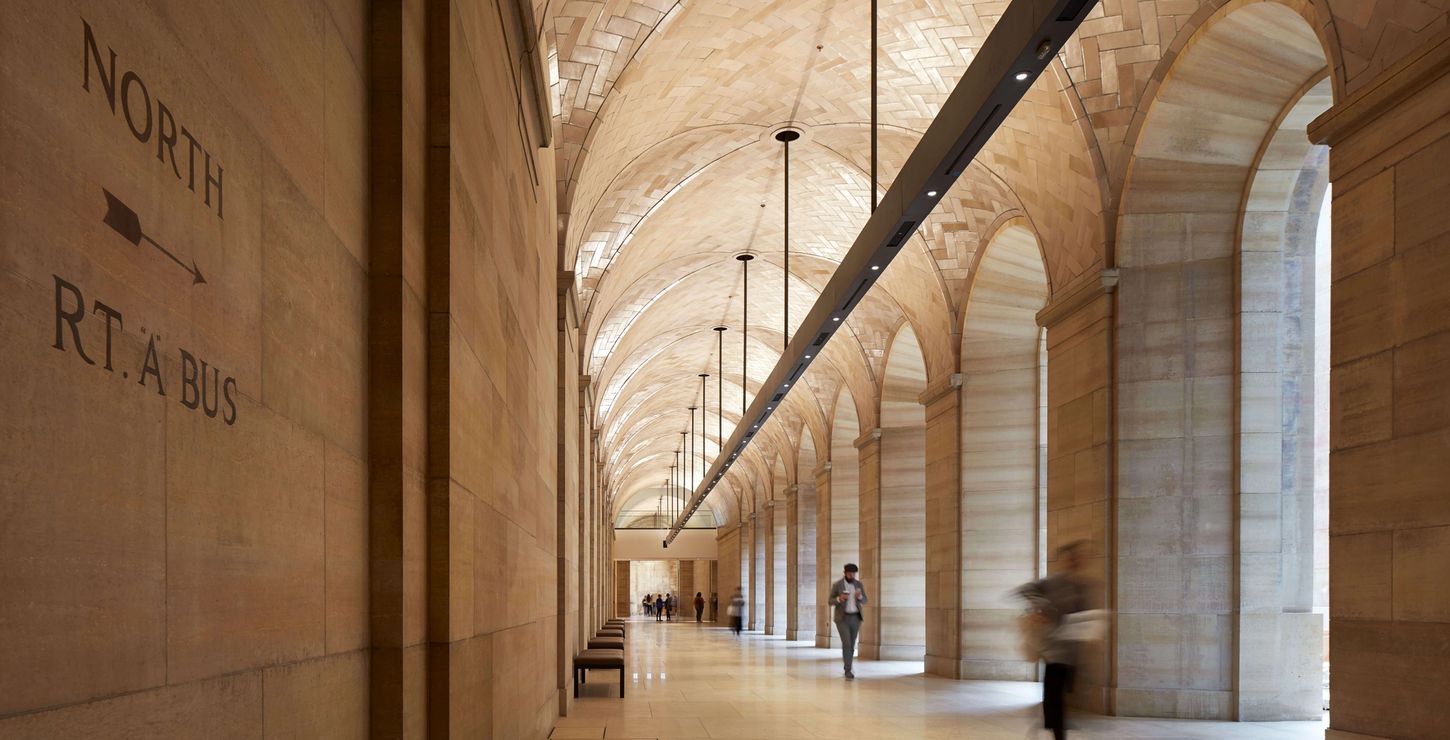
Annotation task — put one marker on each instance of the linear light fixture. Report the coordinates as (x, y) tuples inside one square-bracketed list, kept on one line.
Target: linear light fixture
[(1025, 39)]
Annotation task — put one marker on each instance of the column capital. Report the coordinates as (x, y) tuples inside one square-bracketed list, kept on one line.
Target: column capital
[(871, 436), (1384, 95), (824, 467), (1076, 297), (939, 389)]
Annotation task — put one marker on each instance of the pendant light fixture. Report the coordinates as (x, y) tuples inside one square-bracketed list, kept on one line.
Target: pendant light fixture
[(704, 413), (720, 392), (744, 328), (874, 194), (690, 453), (785, 136)]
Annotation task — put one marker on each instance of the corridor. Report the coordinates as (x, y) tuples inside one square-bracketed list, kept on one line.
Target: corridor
[(480, 324), (699, 681)]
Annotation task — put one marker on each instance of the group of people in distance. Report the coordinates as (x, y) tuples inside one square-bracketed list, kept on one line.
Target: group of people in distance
[(665, 606)]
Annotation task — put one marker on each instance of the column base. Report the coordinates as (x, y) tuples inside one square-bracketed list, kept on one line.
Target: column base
[(998, 670), (946, 667), (900, 652)]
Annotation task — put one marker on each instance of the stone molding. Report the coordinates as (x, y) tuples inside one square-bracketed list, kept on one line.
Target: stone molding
[(823, 468), (1394, 86), (871, 435), (1080, 296), (936, 391)]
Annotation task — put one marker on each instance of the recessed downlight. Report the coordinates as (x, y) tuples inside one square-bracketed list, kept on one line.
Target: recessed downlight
[(835, 318), (1020, 76), (875, 267), (931, 193)]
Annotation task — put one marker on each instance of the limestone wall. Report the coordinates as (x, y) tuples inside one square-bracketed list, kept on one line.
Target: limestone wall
[(282, 276), (183, 294), (1389, 517)]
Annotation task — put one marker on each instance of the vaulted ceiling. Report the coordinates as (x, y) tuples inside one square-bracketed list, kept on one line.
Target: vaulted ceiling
[(668, 169)]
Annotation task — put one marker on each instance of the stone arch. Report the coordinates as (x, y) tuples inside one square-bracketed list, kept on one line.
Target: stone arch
[(840, 506), (900, 592), (1001, 397), (1190, 545), (802, 567), (776, 550)]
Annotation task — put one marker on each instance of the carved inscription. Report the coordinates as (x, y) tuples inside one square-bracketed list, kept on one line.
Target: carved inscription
[(150, 120), (203, 387)]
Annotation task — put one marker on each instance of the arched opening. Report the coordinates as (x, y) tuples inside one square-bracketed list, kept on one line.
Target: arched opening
[(901, 584), (777, 551), (1283, 377), (843, 509), (759, 575), (802, 565), (1002, 398), (1215, 519)]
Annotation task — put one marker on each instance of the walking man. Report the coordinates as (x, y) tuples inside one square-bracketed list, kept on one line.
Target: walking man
[(736, 611), (699, 605), (1058, 605), (847, 596)]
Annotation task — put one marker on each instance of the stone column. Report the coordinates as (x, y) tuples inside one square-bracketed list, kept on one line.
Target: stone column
[(771, 563), (750, 533), (869, 447), (792, 560), (1080, 505), (803, 585), (825, 569), (1389, 511), (623, 603), (397, 342), (685, 597), (943, 527), (727, 549)]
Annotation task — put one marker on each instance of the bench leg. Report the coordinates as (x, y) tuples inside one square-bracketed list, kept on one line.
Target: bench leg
[(576, 682), (621, 682)]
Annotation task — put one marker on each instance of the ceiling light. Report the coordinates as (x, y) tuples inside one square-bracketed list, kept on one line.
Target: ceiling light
[(808, 357), (876, 267), (931, 193), (1020, 76), (835, 318)]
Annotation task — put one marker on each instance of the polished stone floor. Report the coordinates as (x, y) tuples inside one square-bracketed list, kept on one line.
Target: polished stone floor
[(700, 681)]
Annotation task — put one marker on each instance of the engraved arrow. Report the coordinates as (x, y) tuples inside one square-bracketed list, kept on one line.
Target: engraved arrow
[(125, 222)]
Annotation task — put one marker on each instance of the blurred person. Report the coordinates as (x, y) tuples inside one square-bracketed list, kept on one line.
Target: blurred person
[(659, 607), (699, 606), (847, 597), (736, 610), (714, 606), (648, 607), (1057, 623)]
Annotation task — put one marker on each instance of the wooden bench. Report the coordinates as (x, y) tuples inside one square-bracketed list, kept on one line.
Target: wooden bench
[(607, 642), (610, 631), (595, 659)]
